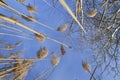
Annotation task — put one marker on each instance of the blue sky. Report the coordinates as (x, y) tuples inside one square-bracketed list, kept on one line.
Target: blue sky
[(70, 66)]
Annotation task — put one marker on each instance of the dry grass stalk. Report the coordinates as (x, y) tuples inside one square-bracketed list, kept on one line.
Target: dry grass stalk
[(44, 25), (29, 18), (42, 74), (42, 53), (22, 68), (26, 27), (86, 66), (40, 37), (63, 3), (10, 27), (115, 31), (62, 28), (13, 18), (21, 59), (14, 55), (18, 23), (77, 8), (81, 7), (92, 13), (4, 75), (63, 51), (15, 35), (55, 60), (20, 1), (102, 17), (59, 42), (2, 1), (8, 70)]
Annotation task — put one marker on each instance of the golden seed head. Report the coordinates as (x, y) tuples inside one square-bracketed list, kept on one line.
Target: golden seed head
[(9, 47), (86, 66), (92, 13), (21, 69), (42, 53), (55, 60), (40, 37), (31, 8), (62, 28)]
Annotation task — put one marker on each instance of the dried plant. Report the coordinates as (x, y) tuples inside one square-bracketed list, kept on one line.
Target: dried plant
[(7, 34), (103, 40), (55, 60), (21, 69), (31, 8), (63, 3), (42, 53), (63, 51), (86, 66), (16, 54), (40, 37), (92, 13), (29, 18), (62, 28), (2, 1)]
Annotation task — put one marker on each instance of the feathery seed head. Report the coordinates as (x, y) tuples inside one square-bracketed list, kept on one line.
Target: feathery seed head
[(92, 13), (55, 60), (42, 53), (86, 66), (62, 28)]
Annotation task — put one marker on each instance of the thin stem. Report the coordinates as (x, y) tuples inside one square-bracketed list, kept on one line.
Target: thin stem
[(25, 15), (43, 73), (115, 31), (92, 75), (1, 33), (11, 27), (1, 63), (26, 27), (64, 4), (81, 6), (58, 42), (34, 59)]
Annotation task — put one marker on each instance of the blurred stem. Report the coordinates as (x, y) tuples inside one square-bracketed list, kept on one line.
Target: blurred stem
[(50, 73), (43, 73), (1, 33)]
